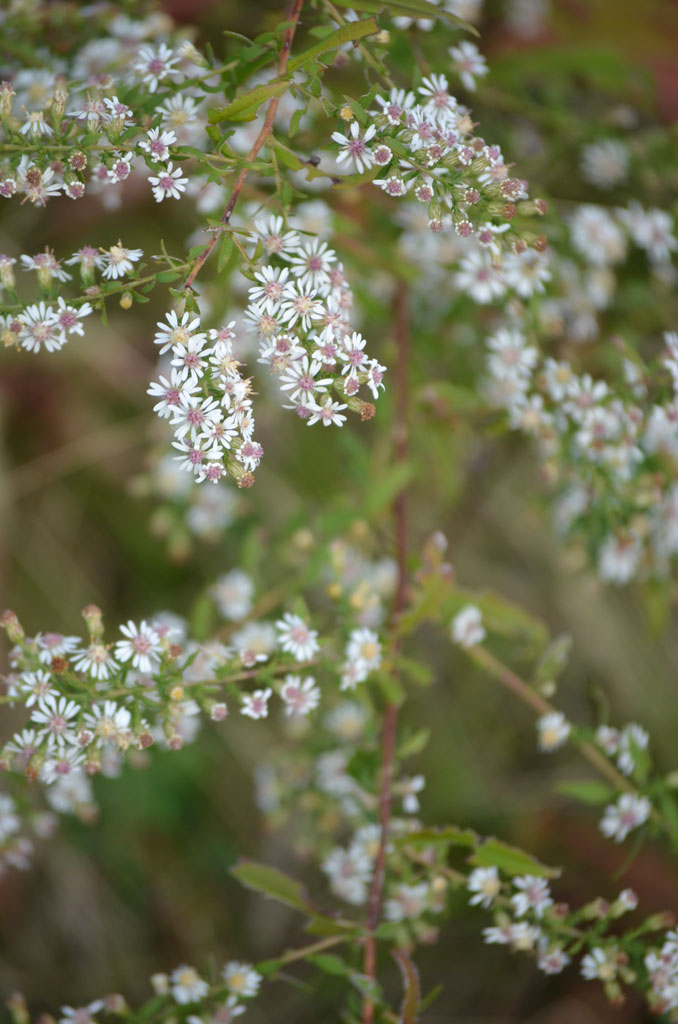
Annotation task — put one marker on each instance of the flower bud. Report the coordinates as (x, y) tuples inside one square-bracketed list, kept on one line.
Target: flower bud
[(7, 95), (7, 278), (115, 1003), (77, 161), (16, 1004), (12, 627), (92, 616), (218, 712), (160, 983), (59, 100), (126, 300)]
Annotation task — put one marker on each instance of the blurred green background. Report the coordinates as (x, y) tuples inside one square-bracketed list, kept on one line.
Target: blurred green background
[(147, 886)]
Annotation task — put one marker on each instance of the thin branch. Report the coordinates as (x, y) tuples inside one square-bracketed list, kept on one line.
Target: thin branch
[(262, 137), (401, 317), (508, 678)]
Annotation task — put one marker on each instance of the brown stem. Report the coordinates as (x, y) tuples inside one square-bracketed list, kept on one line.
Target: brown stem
[(507, 677), (294, 15), (388, 743)]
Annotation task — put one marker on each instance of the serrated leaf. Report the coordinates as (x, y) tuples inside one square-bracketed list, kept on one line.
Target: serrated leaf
[(414, 744), (150, 1008), (368, 987), (348, 33), (271, 883), (287, 156), (196, 250), (589, 791), (294, 121), (510, 859), (554, 659), (225, 250), (385, 489), (242, 106), (448, 835), (411, 986), (329, 963)]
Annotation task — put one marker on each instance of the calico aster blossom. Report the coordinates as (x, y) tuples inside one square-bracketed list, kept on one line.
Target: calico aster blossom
[(142, 646), (35, 685), (274, 235), (300, 696), (40, 327), (186, 985), (154, 66), (108, 722), (467, 627), (55, 716), (327, 412), (354, 146), (157, 143), (469, 63), (364, 648), (255, 705), (96, 659), (169, 391), (408, 902), (300, 379), (296, 637), (119, 261), (600, 964), (553, 730), (241, 979), (52, 645), (169, 182), (234, 594), (628, 813), (533, 894), (484, 885)]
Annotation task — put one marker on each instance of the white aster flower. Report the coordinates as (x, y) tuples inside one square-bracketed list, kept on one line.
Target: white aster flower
[(467, 627), (296, 637), (142, 646)]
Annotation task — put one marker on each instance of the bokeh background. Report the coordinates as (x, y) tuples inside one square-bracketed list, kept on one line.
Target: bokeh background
[(146, 886)]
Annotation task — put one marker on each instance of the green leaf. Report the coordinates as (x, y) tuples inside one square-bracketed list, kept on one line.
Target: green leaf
[(150, 1008), (272, 883), (411, 986), (165, 276), (294, 121), (448, 835), (225, 250), (348, 33), (589, 791), (414, 671), (554, 659), (414, 744), (287, 156), (510, 860), (329, 963), (241, 107), (385, 489), (500, 615)]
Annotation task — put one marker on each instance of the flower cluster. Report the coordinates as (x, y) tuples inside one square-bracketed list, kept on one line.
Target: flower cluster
[(428, 148), (299, 308), (87, 127), (93, 701), (206, 401)]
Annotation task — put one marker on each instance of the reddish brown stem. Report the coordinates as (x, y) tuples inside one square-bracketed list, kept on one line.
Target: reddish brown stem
[(388, 742), (267, 128)]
